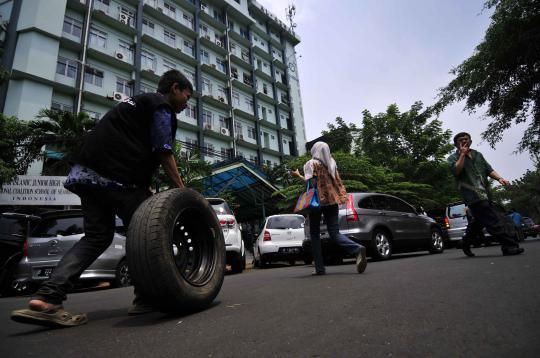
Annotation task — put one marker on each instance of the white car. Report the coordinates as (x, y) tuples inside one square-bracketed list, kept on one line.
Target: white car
[(234, 245), (280, 240)]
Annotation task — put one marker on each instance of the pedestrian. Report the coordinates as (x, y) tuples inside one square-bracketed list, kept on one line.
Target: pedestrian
[(471, 171), (321, 171), (112, 175), (517, 220)]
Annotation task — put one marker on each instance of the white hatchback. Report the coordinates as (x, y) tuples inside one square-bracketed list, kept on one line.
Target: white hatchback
[(280, 240), (234, 245)]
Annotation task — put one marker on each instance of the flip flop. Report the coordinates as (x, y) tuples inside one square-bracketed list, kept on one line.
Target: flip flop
[(56, 318)]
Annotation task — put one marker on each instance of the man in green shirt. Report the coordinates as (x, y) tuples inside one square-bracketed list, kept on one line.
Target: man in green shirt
[(471, 171)]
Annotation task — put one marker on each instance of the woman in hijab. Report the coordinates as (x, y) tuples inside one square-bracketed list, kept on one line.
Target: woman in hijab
[(322, 171)]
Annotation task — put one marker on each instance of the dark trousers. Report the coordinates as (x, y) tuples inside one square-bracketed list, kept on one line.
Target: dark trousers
[(99, 207), (496, 223), (330, 213)]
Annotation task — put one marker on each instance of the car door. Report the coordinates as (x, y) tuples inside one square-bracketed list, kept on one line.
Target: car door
[(397, 220), (417, 227)]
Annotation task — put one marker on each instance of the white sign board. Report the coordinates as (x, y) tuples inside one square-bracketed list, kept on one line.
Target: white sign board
[(37, 190)]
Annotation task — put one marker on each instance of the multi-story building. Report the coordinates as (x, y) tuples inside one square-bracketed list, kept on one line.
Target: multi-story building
[(83, 55)]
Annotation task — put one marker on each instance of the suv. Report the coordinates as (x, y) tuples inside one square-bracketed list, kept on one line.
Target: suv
[(234, 245), (455, 221), (384, 224), (53, 236)]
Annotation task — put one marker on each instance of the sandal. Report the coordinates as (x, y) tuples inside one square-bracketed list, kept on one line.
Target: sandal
[(57, 317)]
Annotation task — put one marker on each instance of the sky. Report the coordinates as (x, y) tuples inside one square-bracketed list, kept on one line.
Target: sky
[(367, 54)]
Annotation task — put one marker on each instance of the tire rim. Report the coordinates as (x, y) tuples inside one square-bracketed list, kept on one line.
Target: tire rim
[(124, 278), (383, 245), (436, 240), (193, 247)]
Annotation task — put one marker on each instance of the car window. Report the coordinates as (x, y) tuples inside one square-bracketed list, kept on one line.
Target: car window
[(10, 226), (285, 222), (59, 226), (380, 202), (399, 205), (221, 208), (366, 203), (456, 211)]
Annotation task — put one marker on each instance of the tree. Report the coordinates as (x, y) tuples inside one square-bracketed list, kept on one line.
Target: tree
[(524, 194), (503, 73), (340, 136), (64, 132), (20, 145)]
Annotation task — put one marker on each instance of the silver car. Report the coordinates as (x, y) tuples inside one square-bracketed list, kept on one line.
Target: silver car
[(384, 224), (53, 236)]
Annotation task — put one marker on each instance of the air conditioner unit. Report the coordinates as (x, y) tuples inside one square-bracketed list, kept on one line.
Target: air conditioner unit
[(119, 55), (224, 131), (218, 43), (124, 19), (221, 99), (119, 96)]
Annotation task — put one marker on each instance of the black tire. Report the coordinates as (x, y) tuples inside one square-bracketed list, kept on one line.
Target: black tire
[(436, 244), (236, 263), (381, 244), (262, 262), (292, 262), (122, 277), (176, 251)]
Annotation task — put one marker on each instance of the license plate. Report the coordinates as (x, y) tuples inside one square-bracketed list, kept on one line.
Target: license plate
[(45, 272), (290, 250)]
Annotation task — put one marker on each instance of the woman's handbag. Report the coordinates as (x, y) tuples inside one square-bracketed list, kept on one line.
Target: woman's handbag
[(308, 200)]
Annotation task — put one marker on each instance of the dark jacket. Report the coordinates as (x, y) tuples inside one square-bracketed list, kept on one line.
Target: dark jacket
[(120, 146)]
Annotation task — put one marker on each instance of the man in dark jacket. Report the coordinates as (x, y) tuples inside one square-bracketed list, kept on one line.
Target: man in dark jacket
[(112, 176), (471, 171)]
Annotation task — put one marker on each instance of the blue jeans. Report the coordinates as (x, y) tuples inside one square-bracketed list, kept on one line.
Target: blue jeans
[(330, 212)]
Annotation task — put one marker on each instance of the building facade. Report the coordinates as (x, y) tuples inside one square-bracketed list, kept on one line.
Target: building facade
[(84, 55)]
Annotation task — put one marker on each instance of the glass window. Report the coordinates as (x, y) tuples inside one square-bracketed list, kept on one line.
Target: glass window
[(236, 98), (207, 86), (98, 38), (57, 106), (148, 27), (284, 222), (191, 76), (60, 226), (93, 76), (208, 117), (249, 103), (72, 26), (147, 89), (221, 207), (188, 20), (126, 49), (380, 202), (66, 67), (169, 10), (191, 111), (251, 132), (170, 38), (366, 203), (168, 65), (148, 61), (188, 48), (399, 205), (456, 211), (221, 65), (94, 115), (124, 86), (205, 57)]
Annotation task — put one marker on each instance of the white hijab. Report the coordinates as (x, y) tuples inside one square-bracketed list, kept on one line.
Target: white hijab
[(321, 152)]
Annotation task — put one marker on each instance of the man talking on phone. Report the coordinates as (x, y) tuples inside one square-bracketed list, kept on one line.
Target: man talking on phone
[(471, 171)]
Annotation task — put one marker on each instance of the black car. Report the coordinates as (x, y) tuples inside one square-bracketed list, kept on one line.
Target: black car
[(384, 224)]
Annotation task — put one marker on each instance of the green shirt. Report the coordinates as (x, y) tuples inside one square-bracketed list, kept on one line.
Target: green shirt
[(473, 179)]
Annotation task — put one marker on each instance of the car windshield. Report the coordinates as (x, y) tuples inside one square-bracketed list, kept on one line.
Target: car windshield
[(456, 211), (221, 208), (285, 222)]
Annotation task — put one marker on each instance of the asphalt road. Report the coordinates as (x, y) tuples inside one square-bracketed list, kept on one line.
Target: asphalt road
[(415, 305)]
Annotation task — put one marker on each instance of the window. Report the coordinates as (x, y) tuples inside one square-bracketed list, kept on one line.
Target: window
[(93, 76), (401, 206), (148, 61), (57, 106), (249, 103), (204, 30), (380, 202), (208, 148), (124, 86), (60, 226), (66, 67), (170, 38), (231, 25), (191, 76), (251, 132), (236, 98), (245, 55), (224, 152), (192, 143), (148, 27), (272, 137), (208, 119), (207, 86), (169, 10), (125, 48), (188, 20), (221, 92), (168, 65), (221, 65), (265, 88), (72, 26), (253, 158), (222, 121), (366, 203), (188, 48), (147, 89), (205, 57), (191, 111), (238, 1), (98, 38), (234, 72)]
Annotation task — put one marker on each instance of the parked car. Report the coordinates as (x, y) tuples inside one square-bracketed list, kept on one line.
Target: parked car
[(529, 228), (234, 245), (14, 229), (455, 221), (280, 240), (52, 237), (384, 224)]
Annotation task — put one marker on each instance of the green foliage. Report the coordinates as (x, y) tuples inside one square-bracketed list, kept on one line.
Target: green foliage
[(524, 194), (20, 145), (339, 136), (503, 73)]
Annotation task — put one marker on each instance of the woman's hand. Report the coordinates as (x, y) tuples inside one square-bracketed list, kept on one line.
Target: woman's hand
[(296, 173)]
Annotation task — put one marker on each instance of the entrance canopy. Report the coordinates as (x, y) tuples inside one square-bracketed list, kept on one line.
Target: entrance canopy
[(249, 186)]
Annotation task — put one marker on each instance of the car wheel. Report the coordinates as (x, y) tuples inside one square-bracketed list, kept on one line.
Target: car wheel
[(381, 245), (236, 264), (262, 262), (292, 262), (122, 278), (176, 251), (436, 245), (308, 260)]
